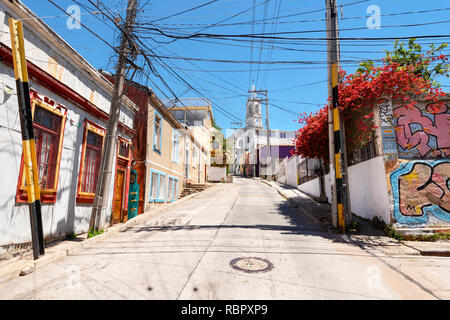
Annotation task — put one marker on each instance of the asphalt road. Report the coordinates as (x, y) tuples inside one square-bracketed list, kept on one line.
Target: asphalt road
[(186, 253)]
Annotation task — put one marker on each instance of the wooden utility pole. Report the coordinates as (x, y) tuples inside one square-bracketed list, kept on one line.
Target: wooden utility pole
[(107, 160), (338, 158), (28, 141)]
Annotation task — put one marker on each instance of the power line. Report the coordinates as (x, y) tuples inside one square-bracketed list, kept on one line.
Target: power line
[(262, 42), (299, 86), (254, 62), (184, 11), (251, 50), (169, 69), (87, 28), (284, 109), (273, 30), (199, 25), (223, 20), (263, 36)]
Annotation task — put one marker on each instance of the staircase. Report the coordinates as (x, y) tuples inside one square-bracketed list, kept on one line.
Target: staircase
[(193, 188)]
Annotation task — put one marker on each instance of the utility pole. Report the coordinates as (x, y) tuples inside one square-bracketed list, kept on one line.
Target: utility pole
[(107, 161), (28, 141), (269, 160), (338, 158), (239, 124)]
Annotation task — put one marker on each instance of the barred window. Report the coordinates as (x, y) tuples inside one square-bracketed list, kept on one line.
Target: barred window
[(47, 130), (91, 161)]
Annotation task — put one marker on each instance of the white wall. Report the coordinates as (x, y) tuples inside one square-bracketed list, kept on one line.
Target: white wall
[(311, 187), (217, 173), (368, 189), (291, 171)]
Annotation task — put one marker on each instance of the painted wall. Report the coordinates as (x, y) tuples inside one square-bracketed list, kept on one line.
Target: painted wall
[(66, 216), (416, 145), (163, 161), (421, 193)]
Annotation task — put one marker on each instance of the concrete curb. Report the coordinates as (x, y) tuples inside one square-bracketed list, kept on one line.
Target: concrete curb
[(435, 249), (66, 248), (423, 248)]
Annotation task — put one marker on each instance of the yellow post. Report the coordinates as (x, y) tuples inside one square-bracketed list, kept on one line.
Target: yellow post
[(28, 141)]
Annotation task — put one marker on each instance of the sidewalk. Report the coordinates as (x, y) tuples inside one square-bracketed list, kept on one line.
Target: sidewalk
[(24, 265), (367, 235), (319, 212)]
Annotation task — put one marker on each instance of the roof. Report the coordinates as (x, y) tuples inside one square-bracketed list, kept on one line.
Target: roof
[(49, 35)]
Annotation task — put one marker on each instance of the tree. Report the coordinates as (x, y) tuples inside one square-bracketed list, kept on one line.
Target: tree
[(359, 92), (427, 65)]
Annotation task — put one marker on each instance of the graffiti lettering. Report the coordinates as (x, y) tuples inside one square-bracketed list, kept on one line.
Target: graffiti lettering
[(421, 188), (424, 131), (385, 114)]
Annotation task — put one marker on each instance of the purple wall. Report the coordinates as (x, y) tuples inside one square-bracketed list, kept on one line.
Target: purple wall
[(280, 152)]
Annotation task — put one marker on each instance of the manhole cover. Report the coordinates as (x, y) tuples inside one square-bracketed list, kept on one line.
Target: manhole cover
[(251, 264)]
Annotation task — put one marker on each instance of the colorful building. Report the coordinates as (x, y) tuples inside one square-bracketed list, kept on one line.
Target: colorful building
[(70, 104), (401, 176)]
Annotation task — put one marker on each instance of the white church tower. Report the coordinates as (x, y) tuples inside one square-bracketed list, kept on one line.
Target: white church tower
[(253, 118)]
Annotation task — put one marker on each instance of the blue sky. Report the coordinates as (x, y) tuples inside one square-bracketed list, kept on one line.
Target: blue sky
[(299, 87)]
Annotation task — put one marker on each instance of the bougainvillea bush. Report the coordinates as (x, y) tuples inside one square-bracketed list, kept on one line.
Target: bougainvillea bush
[(358, 93)]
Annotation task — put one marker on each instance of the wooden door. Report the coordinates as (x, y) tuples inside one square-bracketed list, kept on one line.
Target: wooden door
[(118, 195)]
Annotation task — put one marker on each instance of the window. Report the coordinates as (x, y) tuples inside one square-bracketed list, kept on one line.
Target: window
[(157, 186), (172, 189), (282, 134), (162, 187), (154, 186), (48, 127), (186, 163), (90, 161), (175, 144), (124, 149), (157, 133)]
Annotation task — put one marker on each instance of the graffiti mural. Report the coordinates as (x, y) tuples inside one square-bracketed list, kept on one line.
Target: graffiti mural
[(422, 132), (420, 189), (386, 114)]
